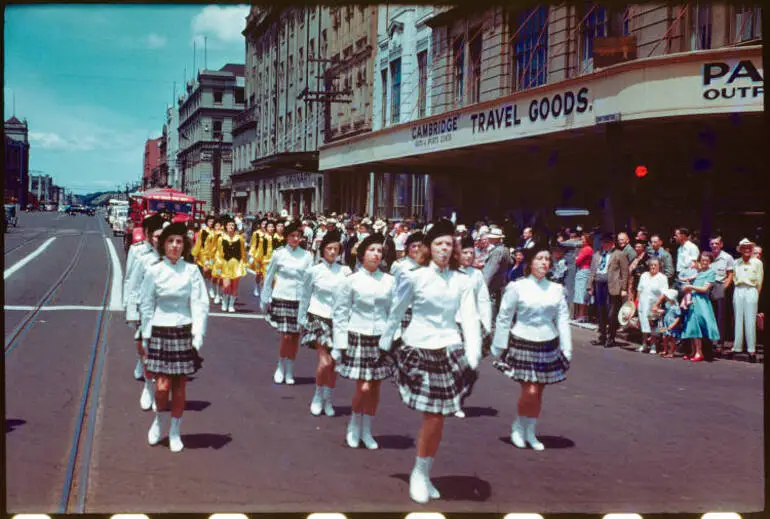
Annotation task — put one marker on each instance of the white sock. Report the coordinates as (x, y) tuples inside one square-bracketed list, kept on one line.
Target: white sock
[(434, 494), (529, 433), (289, 369)]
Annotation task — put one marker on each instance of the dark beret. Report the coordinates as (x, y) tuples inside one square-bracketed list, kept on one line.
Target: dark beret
[(441, 228), (330, 237), (292, 226), (466, 243), (414, 237)]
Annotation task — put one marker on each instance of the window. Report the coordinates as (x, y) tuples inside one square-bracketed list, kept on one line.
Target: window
[(239, 95), (301, 67), (299, 123), (217, 127), (218, 94), (475, 66), (422, 83), (289, 132), (594, 26), (311, 49), (395, 96), (384, 80), (458, 59), (291, 70), (530, 49), (700, 26), (748, 24), (324, 44)]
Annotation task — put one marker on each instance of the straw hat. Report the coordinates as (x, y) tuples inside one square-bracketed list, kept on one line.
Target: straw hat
[(745, 243), (626, 312)]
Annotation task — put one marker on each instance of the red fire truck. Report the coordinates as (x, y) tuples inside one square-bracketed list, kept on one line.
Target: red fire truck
[(185, 208)]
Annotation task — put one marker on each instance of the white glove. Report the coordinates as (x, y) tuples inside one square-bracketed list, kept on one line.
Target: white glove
[(567, 351), (497, 352), (145, 344), (336, 354), (197, 342)]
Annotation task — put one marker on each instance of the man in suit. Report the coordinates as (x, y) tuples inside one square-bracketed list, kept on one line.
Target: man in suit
[(664, 257), (607, 282), (496, 267)]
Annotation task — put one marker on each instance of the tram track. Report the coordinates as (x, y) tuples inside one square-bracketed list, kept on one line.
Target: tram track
[(38, 236)]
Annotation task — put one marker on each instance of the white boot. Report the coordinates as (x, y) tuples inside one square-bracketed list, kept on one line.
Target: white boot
[(366, 433), (529, 432), (289, 371), (433, 491), (419, 489), (139, 369), (156, 429), (148, 395), (231, 306), (460, 414), (517, 433), (174, 435), (210, 284), (316, 405), (354, 430), (327, 397), (225, 299), (278, 375), (216, 294)]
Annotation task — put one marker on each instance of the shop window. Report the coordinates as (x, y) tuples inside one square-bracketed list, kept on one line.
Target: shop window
[(594, 26), (395, 96), (458, 59), (384, 103), (474, 71), (700, 26), (748, 24), (530, 49)]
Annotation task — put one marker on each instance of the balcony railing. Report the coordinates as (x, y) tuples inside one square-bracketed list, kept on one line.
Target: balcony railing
[(245, 117)]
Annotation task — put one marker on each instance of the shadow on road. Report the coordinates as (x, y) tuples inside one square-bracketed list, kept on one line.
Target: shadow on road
[(550, 442), (205, 441), (395, 441), (196, 405), (304, 381), (474, 412), (457, 488), (12, 423), (343, 410)]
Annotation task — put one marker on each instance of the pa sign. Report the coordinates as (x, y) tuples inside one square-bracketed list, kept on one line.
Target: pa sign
[(726, 81)]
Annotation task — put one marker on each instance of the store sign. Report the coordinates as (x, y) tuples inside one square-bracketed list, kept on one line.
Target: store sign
[(613, 49), (298, 181), (723, 80), (535, 115)]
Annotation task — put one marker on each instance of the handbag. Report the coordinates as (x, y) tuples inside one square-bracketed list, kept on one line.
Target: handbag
[(761, 321)]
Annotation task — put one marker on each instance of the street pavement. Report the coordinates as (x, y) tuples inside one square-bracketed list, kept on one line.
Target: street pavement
[(626, 432)]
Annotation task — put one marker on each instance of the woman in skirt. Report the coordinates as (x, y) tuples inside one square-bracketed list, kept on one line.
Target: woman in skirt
[(315, 312), (199, 255), (174, 310), (359, 316), (284, 282), (466, 255), (209, 259), (435, 370), (538, 349), (135, 252), (231, 260), (414, 250), (261, 251)]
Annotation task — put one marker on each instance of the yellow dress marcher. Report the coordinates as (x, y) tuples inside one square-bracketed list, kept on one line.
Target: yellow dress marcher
[(264, 253), (198, 248), (210, 251), (231, 256), (256, 237)]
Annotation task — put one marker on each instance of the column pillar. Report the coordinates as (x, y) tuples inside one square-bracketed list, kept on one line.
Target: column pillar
[(370, 195)]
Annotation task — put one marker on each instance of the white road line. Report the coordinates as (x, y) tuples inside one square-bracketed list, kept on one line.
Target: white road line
[(97, 308), (10, 270), (116, 293)]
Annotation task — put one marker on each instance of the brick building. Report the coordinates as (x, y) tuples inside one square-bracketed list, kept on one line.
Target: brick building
[(152, 155), (16, 161)]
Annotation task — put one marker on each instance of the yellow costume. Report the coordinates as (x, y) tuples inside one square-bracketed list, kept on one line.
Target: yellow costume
[(209, 252), (265, 246), (255, 239), (231, 256), (198, 248)]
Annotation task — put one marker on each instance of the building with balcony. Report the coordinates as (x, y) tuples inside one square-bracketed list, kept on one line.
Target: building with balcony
[(16, 155), (277, 137), (555, 106)]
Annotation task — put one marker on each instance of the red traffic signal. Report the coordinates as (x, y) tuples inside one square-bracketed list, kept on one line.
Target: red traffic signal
[(641, 171)]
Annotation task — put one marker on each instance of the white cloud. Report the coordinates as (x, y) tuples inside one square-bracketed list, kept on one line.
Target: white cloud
[(222, 25), (155, 41)]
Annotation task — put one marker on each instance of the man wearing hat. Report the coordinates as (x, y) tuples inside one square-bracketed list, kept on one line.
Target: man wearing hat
[(607, 281), (749, 275), (496, 267)]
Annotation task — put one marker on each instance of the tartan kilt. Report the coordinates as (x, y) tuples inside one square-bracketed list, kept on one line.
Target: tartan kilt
[(538, 362), (317, 329), (283, 314), (363, 359), (170, 351), (404, 323), (434, 381)]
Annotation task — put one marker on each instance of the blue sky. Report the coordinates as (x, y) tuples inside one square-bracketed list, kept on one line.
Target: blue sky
[(93, 82)]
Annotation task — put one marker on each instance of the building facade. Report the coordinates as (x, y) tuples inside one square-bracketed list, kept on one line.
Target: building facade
[(277, 136), (171, 131), (16, 155), (206, 113), (555, 106), (152, 153), (40, 189)]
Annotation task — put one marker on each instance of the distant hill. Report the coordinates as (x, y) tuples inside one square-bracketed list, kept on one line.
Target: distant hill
[(101, 197)]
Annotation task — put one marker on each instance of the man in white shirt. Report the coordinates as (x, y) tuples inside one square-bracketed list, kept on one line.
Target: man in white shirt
[(723, 267), (687, 252)]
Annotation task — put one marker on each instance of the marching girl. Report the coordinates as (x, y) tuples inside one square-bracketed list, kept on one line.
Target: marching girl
[(315, 312), (253, 243), (435, 371), (466, 255), (209, 257), (537, 350), (287, 270), (261, 250), (135, 252), (231, 263), (414, 250), (359, 317), (198, 252), (174, 310), (281, 234)]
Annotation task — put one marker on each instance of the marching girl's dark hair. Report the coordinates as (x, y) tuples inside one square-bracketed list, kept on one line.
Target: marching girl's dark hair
[(175, 229), (529, 255), (330, 237), (441, 228)]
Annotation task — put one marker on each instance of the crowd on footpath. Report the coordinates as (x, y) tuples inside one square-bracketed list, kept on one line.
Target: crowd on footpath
[(421, 305)]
